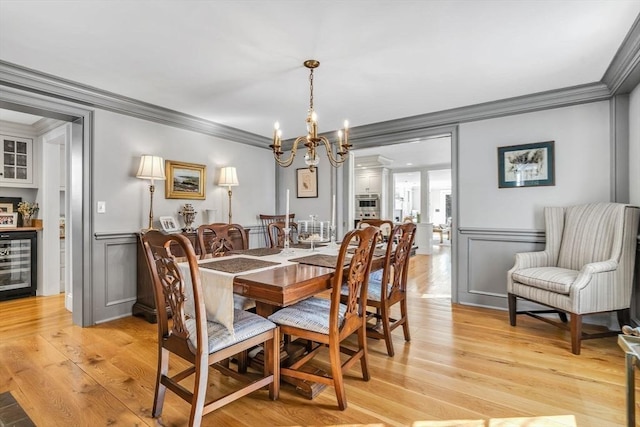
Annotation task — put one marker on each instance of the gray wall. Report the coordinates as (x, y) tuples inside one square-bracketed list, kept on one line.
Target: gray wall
[(495, 223), (119, 141)]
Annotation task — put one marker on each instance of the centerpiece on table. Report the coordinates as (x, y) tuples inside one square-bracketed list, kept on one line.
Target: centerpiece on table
[(28, 212)]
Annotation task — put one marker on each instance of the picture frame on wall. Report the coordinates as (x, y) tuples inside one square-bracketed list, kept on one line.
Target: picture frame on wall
[(8, 220), (526, 165), (306, 183), (185, 180)]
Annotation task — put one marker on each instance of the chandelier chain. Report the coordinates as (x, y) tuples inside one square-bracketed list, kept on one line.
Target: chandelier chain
[(311, 90)]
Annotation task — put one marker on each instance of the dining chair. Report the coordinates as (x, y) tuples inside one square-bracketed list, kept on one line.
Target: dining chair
[(200, 342), (587, 267), (328, 322), (394, 291), (276, 233), (216, 240), (265, 220)]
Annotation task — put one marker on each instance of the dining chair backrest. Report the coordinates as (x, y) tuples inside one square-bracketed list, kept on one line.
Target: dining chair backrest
[(396, 263), (355, 278), (276, 233), (265, 220), (385, 226), (217, 239)]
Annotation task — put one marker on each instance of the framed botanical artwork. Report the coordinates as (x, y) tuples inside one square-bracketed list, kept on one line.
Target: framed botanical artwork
[(8, 220), (526, 165), (307, 183), (185, 180), (169, 224)]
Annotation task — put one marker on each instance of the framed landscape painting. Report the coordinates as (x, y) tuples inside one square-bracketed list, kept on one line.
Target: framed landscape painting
[(185, 180), (526, 165)]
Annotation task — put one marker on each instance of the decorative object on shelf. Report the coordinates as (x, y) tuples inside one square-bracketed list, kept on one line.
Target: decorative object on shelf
[(311, 139), (188, 214), (169, 224), (228, 178), (28, 211), (307, 183), (185, 180), (151, 168), (8, 220), (526, 165)]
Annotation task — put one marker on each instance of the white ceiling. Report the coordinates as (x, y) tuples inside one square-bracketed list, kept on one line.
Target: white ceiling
[(239, 63)]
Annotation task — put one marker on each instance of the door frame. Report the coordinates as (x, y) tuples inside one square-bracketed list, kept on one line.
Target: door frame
[(79, 221)]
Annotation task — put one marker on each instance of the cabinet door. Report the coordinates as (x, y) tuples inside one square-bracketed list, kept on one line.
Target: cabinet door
[(17, 160), (375, 183), (362, 184)]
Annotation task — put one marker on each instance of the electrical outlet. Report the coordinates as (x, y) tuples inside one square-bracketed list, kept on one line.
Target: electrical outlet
[(102, 207)]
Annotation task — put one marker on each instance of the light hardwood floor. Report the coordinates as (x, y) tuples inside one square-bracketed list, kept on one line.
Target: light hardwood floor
[(463, 363)]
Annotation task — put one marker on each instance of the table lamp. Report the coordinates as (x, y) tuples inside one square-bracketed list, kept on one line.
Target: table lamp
[(228, 178), (152, 168)]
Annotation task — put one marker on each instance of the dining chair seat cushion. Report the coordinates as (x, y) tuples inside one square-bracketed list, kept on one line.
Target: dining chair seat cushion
[(243, 303), (554, 279), (376, 275), (311, 314), (245, 326)]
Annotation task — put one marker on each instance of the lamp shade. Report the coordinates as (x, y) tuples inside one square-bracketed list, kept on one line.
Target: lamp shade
[(228, 177), (151, 167)]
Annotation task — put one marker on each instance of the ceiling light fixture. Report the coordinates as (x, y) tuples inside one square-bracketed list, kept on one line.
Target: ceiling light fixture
[(311, 139)]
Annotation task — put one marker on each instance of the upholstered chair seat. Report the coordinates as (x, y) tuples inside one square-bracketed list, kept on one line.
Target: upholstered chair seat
[(311, 314)]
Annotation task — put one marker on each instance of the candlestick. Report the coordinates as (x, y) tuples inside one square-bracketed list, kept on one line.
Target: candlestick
[(286, 217), (333, 211)]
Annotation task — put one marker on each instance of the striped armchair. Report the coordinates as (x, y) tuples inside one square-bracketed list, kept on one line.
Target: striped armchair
[(587, 266)]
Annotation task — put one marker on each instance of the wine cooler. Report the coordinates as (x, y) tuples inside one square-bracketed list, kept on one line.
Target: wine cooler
[(17, 264)]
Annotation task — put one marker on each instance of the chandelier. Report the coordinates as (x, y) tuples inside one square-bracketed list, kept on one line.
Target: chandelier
[(311, 140)]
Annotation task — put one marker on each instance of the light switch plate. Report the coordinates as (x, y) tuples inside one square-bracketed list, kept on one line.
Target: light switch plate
[(102, 207)]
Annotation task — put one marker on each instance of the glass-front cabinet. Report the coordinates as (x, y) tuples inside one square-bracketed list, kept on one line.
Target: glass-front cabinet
[(17, 264), (17, 160)]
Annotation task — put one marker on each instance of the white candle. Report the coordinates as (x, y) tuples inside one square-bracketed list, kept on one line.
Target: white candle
[(321, 233), (286, 217), (333, 211)]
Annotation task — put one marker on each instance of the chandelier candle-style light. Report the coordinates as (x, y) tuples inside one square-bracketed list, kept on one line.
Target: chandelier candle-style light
[(311, 139)]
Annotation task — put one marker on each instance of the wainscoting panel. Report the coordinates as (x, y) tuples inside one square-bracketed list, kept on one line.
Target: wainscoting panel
[(485, 257), (114, 282)]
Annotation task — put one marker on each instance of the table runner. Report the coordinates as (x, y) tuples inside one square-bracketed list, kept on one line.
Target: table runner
[(237, 265)]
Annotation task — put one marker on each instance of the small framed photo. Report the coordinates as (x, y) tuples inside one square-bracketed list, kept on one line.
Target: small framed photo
[(185, 180), (307, 183), (526, 165), (8, 220), (169, 224)]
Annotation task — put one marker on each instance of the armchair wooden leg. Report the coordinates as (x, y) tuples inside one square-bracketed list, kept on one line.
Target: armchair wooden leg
[(576, 333), (512, 300)]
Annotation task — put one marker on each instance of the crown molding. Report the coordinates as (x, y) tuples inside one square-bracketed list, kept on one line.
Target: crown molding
[(382, 133), (16, 76), (623, 74), (409, 128)]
